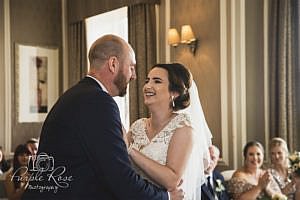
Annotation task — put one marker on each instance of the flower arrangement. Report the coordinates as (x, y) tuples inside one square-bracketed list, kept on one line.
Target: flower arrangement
[(279, 197), (219, 187), (295, 163)]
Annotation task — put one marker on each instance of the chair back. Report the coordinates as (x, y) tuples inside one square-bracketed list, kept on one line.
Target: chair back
[(227, 174)]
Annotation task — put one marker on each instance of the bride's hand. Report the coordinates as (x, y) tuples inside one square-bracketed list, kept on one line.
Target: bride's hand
[(127, 137), (180, 182), (176, 194)]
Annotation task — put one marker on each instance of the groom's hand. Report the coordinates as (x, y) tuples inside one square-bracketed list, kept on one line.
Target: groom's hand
[(176, 194)]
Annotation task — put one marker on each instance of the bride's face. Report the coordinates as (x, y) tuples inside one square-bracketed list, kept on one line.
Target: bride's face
[(156, 88)]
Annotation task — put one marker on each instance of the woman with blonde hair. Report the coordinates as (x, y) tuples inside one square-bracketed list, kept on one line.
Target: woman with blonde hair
[(279, 154)]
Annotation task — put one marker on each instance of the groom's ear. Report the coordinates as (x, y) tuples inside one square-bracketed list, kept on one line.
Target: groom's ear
[(113, 64)]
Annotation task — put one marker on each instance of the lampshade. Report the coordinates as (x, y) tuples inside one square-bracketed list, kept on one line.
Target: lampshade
[(187, 34), (173, 37)]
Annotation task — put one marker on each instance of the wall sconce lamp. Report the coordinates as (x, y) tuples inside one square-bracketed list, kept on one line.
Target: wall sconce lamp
[(187, 37)]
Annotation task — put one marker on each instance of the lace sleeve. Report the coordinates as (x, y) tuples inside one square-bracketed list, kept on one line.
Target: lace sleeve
[(136, 126)]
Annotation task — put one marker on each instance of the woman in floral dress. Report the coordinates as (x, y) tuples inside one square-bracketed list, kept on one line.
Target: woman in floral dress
[(251, 182)]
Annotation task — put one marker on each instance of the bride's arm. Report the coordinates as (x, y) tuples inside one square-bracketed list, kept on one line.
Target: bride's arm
[(179, 150)]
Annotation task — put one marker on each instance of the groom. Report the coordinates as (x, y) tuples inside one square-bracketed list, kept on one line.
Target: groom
[(214, 187), (82, 154)]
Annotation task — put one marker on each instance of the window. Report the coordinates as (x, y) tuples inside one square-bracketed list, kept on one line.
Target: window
[(113, 22)]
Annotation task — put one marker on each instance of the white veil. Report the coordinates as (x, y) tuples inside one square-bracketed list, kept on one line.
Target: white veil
[(194, 176)]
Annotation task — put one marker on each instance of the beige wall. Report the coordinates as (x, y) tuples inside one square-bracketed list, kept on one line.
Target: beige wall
[(238, 115), (204, 17), (32, 22)]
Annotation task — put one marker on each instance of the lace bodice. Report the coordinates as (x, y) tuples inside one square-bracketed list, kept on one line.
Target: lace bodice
[(157, 147)]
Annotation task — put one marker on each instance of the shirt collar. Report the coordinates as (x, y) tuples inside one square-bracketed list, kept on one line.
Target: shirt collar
[(209, 175), (100, 84), (210, 179)]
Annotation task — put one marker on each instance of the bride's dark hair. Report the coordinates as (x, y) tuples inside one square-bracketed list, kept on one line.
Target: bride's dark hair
[(180, 81)]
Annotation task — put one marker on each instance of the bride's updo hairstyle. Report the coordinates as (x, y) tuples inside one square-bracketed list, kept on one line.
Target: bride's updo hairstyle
[(179, 81)]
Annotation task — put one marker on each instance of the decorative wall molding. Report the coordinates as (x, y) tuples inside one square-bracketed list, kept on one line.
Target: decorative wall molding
[(65, 44), (233, 82), (238, 81), (7, 69), (266, 78), (224, 84)]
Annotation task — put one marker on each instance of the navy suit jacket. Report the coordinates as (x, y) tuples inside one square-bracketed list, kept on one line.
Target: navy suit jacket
[(86, 155), (207, 195)]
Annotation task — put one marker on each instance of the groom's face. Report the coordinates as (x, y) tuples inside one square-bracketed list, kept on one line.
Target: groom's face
[(121, 83), (126, 72)]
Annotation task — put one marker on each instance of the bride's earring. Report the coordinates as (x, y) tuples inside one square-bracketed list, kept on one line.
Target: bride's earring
[(173, 104)]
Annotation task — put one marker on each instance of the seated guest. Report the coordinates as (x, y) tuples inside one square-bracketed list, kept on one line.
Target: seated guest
[(279, 167), (214, 187), (250, 181), (4, 164), (17, 179), (32, 144)]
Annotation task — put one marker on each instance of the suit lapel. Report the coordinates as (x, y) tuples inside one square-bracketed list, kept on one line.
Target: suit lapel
[(206, 192)]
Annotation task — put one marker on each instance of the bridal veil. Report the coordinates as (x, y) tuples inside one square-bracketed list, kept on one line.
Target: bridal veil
[(194, 174)]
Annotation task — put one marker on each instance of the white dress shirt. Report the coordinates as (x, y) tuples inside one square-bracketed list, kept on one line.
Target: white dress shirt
[(101, 85)]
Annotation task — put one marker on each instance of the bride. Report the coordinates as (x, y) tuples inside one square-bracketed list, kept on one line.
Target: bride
[(170, 148)]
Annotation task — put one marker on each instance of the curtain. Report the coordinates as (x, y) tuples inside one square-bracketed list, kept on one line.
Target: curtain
[(81, 9), (77, 52), (284, 71), (142, 37)]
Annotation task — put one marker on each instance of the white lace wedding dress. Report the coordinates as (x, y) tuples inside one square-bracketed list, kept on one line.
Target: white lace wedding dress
[(157, 148)]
